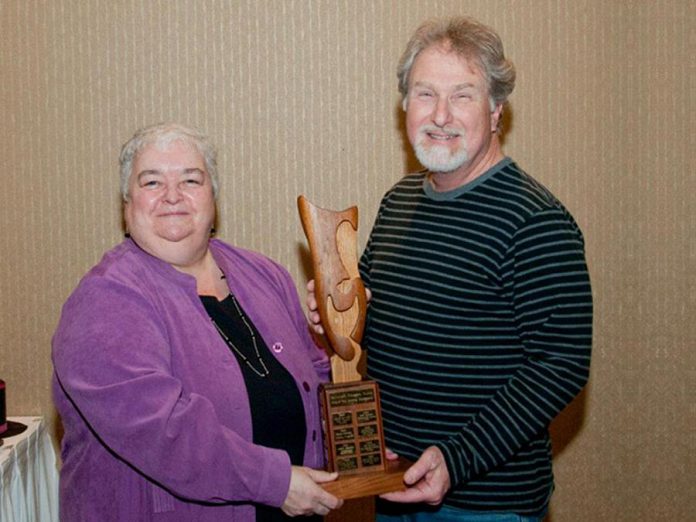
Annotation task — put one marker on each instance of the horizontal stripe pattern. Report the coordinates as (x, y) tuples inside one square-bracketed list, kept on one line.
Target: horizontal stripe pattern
[(479, 330)]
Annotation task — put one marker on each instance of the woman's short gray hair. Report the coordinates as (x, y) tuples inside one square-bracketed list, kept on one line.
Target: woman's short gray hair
[(469, 39), (162, 134)]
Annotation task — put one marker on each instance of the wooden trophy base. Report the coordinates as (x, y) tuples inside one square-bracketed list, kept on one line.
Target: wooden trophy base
[(370, 483)]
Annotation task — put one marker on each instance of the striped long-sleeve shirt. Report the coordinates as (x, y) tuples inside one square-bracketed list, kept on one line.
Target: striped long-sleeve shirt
[(479, 330)]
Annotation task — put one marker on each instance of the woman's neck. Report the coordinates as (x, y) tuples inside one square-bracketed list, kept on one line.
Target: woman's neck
[(209, 278)]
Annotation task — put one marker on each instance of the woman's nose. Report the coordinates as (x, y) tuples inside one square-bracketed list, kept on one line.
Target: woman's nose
[(172, 193)]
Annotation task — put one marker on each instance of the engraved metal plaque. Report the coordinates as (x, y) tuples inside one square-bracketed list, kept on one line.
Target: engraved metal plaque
[(354, 438)]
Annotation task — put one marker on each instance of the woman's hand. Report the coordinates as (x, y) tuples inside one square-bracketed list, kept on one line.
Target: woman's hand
[(306, 497)]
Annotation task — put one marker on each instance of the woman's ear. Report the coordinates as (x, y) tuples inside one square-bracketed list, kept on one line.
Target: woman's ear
[(496, 116)]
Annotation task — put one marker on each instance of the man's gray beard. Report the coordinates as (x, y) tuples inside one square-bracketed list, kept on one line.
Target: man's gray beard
[(438, 158)]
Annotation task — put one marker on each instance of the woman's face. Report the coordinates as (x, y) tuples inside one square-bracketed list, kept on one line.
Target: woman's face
[(171, 207)]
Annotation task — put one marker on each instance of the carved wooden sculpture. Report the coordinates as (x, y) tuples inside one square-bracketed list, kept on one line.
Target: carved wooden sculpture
[(352, 414), (339, 290)]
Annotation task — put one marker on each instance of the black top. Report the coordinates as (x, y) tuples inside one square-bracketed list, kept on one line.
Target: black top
[(479, 331), (277, 413)]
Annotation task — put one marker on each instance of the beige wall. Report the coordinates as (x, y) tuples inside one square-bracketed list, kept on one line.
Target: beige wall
[(301, 97)]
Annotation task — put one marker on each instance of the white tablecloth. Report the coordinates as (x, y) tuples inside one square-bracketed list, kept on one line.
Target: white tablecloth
[(28, 475)]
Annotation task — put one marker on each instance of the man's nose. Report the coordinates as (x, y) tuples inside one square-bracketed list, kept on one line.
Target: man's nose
[(442, 114)]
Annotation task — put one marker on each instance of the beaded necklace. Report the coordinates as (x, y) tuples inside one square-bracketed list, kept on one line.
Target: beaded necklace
[(263, 373)]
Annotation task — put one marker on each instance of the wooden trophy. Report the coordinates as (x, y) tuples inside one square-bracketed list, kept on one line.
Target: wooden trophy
[(351, 413)]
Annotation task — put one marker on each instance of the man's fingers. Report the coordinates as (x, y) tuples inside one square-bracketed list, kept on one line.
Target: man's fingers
[(417, 471), (391, 455), (410, 495)]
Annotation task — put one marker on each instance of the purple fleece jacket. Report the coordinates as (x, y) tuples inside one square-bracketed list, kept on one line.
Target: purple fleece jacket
[(154, 406)]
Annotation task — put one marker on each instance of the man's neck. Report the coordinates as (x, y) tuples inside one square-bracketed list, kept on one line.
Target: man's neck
[(446, 181)]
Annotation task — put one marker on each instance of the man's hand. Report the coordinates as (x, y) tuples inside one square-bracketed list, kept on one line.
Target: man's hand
[(390, 454), (428, 480), (306, 497), (313, 308)]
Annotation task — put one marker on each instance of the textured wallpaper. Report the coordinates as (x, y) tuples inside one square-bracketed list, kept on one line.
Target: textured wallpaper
[(301, 98)]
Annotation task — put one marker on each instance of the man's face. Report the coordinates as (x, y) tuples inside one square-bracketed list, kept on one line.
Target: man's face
[(448, 113)]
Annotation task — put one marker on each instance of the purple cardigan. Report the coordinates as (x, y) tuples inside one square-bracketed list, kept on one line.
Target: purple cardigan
[(154, 406)]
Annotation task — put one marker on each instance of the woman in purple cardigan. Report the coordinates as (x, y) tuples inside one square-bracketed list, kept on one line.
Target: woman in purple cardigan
[(185, 375)]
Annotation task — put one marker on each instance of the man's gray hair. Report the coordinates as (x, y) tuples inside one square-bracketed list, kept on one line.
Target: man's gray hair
[(467, 38), (161, 135)]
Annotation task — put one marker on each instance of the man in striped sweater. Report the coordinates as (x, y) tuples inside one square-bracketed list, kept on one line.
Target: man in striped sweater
[(480, 322)]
